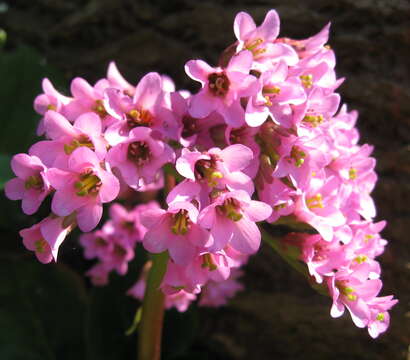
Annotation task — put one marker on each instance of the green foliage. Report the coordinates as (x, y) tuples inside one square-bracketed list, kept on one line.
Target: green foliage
[(41, 311), (21, 73)]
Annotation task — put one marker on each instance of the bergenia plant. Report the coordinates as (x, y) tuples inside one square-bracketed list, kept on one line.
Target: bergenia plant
[(266, 140)]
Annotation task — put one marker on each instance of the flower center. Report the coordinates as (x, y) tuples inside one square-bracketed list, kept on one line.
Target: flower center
[(119, 251), (313, 120), (99, 108), (380, 317), (128, 225), (345, 290), (34, 182), (88, 184), (207, 262), (270, 92), (254, 46), (231, 209), (205, 169), (190, 126), (82, 140), (352, 173), (307, 80), (100, 242), (315, 202), (180, 222), (40, 246), (298, 156), (360, 259), (218, 84), (140, 117), (138, 152)]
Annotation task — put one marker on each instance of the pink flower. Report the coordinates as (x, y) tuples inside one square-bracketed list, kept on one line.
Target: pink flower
[(117, 81), (379, 317), (180, 300), (99, 274), (216, 294), (50, 100), (87, 98), (31, 184), (319, 206), (86, 131), (218, 168), (355, 291), (311, 45), (222, 89), (260, 40), (97, 244), (276, 92), (46, 237), (175, 230), (231, 219), (128, 224), (140, 157), (193, 131), (83, 188), (145, 108)]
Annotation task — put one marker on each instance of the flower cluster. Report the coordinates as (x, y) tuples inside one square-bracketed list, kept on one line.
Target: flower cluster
[(266, 124)]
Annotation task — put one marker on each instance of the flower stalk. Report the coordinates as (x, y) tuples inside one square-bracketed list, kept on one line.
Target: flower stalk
[(150, 329)]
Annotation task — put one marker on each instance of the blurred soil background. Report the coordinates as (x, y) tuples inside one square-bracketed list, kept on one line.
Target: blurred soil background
[(278, 316)]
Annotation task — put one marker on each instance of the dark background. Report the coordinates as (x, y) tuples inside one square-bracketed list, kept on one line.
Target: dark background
[(46, 312)]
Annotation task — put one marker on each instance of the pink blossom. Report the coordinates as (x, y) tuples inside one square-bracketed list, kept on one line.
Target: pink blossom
[(140, 157), (145, 108), (379, 317), (260, 40), (276, 92), (354, 291), (86, 98), (31, 184), (216, 294), (231, 219), (51, 99), (86, 131), (175, 230), (319, 207), (222, 89), (45, 237), (83, 188), (217, 168), (311, 45)]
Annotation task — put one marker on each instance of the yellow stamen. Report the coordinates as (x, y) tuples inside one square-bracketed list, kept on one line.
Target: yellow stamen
[(76, 143), (352, 173), (380, 317), (313, 120), (181, 223), (34, 182), (297, 155), (307, 80), (207, 262), (361, 259), (88, 184), (315, 202), (99, 108), (40, 245), (230, 208)]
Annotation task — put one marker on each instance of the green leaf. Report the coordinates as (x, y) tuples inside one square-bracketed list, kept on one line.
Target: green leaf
[(5, 170), (21, 73), (41, 311)]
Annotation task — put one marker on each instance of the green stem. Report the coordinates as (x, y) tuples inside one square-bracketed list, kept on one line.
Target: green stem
[(150, 328)]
